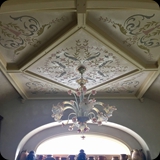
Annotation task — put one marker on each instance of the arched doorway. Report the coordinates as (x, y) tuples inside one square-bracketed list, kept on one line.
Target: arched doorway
[(92, 144), (53, 130)]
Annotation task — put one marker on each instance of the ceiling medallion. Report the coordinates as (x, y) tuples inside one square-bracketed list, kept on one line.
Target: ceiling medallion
[(83, 109)]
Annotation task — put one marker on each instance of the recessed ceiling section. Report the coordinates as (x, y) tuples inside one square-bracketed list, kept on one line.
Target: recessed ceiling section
[(34, 88), (23, 34), (102, 64), (136, 30), (131, 86)]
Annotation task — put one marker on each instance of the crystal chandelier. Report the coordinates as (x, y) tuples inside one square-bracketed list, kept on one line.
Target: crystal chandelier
[(84, 109)]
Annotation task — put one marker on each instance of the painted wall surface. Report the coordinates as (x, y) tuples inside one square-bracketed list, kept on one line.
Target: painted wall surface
[(21, 118)]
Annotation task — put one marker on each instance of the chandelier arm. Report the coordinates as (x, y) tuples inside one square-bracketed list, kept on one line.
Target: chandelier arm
[(99, 103), (70, 107), (75, 97), (95, 109), (106, 110), (67, 102), (72, 104), (76, 104), (91, 113), (69, 116), (89, 95)]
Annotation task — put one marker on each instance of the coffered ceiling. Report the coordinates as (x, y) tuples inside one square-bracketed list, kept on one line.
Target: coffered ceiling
[(42, 43)]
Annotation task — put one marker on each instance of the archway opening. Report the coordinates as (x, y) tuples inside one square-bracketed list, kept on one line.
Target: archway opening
[(92, 144)]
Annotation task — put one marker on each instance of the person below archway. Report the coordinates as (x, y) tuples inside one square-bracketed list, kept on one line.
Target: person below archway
[(81, 155), (49, 157)]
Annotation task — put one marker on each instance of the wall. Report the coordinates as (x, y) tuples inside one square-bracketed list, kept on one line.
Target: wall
[(21, 118)]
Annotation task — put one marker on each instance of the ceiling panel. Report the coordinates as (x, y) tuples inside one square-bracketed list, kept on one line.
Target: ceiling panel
[(33, 88), (136, 30), (129, 85), (22, 34), (102, 63)]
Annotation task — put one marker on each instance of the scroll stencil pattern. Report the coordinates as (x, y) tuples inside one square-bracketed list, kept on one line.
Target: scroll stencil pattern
[(126, 86), (140, 30), (23, 31), (61, 65), (37, 87)]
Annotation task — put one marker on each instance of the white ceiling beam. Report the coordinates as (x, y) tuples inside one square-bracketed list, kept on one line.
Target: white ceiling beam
[(2, 61), (36, 5), (81, 13), (81, 20), (15, 85), (121, 4), (81, 6), (113, 96), (147, 83)]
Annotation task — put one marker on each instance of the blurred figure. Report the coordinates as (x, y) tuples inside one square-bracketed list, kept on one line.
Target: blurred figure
[(81, 155), (40, 157), (49, 157), (31, 156), (22, 155), (71, 157)]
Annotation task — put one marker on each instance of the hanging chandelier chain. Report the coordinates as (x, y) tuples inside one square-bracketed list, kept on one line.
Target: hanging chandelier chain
[(82, 81)]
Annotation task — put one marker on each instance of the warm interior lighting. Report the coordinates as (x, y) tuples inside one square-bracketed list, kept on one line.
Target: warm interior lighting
[(84, 109), (71, 144)]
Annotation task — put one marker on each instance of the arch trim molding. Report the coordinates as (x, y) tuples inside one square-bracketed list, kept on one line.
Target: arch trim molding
[(54, 129)]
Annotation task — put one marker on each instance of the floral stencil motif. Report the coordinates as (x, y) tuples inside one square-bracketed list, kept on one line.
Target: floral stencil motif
[(17, 36), (61, 65), (37, 87), (144, 35)]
